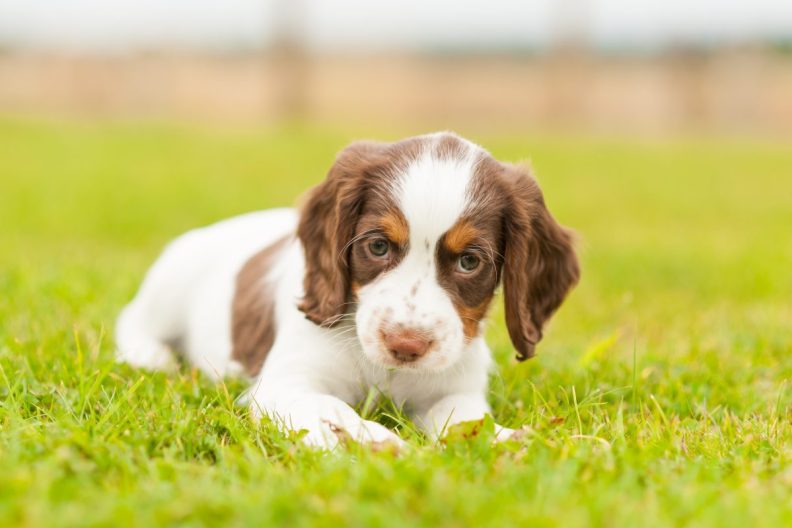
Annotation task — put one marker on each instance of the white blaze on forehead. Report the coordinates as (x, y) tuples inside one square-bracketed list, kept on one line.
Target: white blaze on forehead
[(433, 192)]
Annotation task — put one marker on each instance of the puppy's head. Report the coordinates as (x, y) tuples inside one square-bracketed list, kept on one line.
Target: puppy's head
[(410, 240)]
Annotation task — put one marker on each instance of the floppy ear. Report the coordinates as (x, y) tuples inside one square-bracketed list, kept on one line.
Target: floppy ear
[(540, 265), (327, 224)]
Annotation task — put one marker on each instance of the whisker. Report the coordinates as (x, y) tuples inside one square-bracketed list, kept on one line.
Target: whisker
[(355, 239), (488, 250)]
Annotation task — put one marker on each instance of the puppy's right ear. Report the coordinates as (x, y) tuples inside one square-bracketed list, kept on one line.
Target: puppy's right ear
[(327, 224)]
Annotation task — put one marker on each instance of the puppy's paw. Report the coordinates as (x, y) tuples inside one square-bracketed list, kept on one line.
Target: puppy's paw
[(379, 436), (504, 434), (364, 432), (328, 432), (149, 355)]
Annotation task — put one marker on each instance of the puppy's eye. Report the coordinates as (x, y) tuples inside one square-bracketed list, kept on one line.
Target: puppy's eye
[(379, 247), (468, 262)]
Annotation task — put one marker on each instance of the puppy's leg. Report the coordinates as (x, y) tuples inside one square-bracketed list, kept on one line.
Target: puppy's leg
[(456, 408), (327, 419), (137, 343), (155, 317)]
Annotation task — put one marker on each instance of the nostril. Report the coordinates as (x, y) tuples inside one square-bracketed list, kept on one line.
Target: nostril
[(407, 346)]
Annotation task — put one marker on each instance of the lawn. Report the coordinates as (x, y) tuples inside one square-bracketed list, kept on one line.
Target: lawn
[(660, 396)]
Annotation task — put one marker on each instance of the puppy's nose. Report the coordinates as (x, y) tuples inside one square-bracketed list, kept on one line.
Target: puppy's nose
[(407, 346)]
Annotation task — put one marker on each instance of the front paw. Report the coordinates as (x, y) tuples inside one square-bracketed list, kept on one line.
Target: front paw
[(484, 427), (332, 433), (335, 424), (503, 434)]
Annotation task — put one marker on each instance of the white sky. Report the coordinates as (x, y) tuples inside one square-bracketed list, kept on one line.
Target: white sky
[(359, 25)]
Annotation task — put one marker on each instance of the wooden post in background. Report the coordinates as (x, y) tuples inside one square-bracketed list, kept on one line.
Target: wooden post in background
[(290, 62)]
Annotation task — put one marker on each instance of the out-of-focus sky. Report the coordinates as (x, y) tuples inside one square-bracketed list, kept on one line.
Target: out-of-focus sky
[(362, 25)]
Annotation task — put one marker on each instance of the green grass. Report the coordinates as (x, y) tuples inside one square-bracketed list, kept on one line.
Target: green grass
[(660, 396)]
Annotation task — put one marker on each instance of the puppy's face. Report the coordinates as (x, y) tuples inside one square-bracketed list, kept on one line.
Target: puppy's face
[(411, 239), (425, 259)]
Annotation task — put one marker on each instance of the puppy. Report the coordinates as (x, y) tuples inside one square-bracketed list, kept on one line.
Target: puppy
[(382, 280)]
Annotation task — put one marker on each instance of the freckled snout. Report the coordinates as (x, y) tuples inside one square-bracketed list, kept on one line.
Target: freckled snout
[(406, 346)]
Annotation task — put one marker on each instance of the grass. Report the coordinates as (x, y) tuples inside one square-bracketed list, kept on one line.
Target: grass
[(660, 397)]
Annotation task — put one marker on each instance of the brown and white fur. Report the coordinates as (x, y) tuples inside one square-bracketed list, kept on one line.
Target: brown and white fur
[(382, 280)]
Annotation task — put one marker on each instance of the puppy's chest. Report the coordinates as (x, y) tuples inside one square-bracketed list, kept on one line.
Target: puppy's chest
[(406, 389)]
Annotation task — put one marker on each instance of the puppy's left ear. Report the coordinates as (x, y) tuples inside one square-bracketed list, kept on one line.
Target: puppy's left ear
[(540, 265)]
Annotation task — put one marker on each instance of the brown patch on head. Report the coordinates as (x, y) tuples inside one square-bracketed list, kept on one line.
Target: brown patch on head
[(253, 310), (471, 293), (328, 224), (381, 217), (480, 232), (509, 228)]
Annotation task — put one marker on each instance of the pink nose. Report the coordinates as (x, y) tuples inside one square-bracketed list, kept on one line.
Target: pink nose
[(406, 345)]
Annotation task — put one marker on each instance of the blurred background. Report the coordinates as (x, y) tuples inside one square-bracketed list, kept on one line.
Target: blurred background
[(659, 130), (594, 66)]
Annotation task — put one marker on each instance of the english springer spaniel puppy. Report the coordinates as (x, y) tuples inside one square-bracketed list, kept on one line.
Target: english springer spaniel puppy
[(381, 281)]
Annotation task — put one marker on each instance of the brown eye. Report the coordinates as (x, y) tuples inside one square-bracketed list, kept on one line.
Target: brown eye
[(379, 247), (468, 263)]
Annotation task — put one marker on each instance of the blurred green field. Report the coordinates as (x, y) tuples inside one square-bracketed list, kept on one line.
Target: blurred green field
[(659, 397)]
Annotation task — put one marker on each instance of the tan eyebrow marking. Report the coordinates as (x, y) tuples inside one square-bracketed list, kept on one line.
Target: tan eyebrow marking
[(395, 227), (460, 236)]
